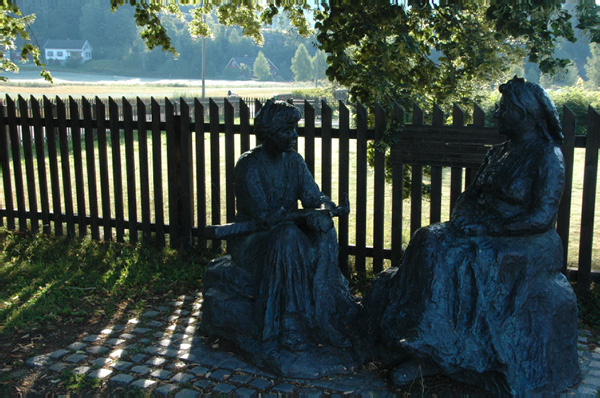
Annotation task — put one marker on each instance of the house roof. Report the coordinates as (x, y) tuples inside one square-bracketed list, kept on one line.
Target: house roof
[(65, 44)]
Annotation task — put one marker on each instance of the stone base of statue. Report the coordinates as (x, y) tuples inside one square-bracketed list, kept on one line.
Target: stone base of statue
[(491, 311), (230, 312)]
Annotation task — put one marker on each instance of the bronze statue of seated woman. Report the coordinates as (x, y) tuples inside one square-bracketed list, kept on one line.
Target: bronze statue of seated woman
[(279, 294), (481, 298)]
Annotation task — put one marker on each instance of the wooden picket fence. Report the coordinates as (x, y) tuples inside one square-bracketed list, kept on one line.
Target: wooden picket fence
[(79, 179)]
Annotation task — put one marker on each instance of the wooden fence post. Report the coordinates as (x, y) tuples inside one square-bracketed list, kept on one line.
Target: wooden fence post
[(379, 191), (361, 190), (416, 186), (564, 209), (589, 202), (397, 199), (344, 185), (435, 206)]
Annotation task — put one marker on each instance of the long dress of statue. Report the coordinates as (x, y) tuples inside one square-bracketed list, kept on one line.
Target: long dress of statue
[(280, 294), (481, 298)]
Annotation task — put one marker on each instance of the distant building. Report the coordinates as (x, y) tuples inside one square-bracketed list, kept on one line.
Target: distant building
[(236, 63), (63, 50)]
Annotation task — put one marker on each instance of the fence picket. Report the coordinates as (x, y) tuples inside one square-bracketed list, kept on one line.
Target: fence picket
[(564, 209), (361, 190), (309, 137), (200, 170), (478, 121), (38, 129), (103, 164), (61, 113), (344, 183), (171, 130), (157, 177), (185, 190), (456, 180), (229, 161), (16, 155), (115, 140), (244, 127), (379, 191), (215, 170), (588, 206), (29, 168), (90, 158), (435, 206), (416, 186), (4, 157), (130, 170), (326, 151), (78, 164), (397, 199), (144, 175)]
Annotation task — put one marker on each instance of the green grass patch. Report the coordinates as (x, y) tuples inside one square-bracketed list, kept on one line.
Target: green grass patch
[(46, 278)]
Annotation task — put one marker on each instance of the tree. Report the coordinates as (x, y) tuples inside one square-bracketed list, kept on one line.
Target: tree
[(13, 26), (261, 68), (592, 67), (302, 65), (319, 62)]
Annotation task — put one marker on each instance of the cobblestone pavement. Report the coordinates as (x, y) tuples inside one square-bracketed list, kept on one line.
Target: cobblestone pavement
[(160, 352)]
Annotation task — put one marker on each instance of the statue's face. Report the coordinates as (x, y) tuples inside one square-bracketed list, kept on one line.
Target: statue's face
[(284, 139), (509, 118)]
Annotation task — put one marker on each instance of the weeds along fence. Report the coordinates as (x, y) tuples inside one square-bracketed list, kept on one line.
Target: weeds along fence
[(158, 172)]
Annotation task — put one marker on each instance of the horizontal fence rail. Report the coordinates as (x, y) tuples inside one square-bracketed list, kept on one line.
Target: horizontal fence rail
[(160, 171)]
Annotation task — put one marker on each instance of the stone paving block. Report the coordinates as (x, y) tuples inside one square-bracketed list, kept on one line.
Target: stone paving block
[(594, 364), (127, 336), (106, 331), (204, 384), (173, 353), (240, 379), (118, 353), (150, 314), (101, 361), (75, 358), (162, 308), (143, 383), (182, 378), (156, 361), (187, 393), (161, 374), (140, 369), (114, 342), (153, 350), (58, 354), (140, 330), (224, 388), (199, 371), (309, 393), (133, 321), (244, 392), (260, 384), (187, 357), (118, 327), (284, 388), (138, 358), (172, 318), (144, 340), (233, 364), (181, 312), (154, 324), (220, 375), (176, 303), (582, 339), (166, 342), (99, 373), (121, 379), (594, 373), (121, 365), (77, 346), (59, 367), (81, 370), (592, 382), (165, 390), (96, 350), (92, 338)]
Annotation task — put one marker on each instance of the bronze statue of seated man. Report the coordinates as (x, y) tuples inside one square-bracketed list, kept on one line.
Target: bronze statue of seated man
[(481, 298), (279, 294)]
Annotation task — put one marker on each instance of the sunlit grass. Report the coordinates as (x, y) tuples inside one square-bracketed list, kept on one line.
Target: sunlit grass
[(47, 278)]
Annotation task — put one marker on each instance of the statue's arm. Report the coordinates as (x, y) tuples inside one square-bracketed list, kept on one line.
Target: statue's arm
[(309, 193), (547, 191)]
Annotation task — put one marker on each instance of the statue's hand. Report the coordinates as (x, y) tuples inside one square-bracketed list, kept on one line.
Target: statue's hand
[(319, 222)]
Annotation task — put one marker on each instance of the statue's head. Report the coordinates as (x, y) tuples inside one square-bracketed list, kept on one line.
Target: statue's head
[(274, 117), (530, 101)]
